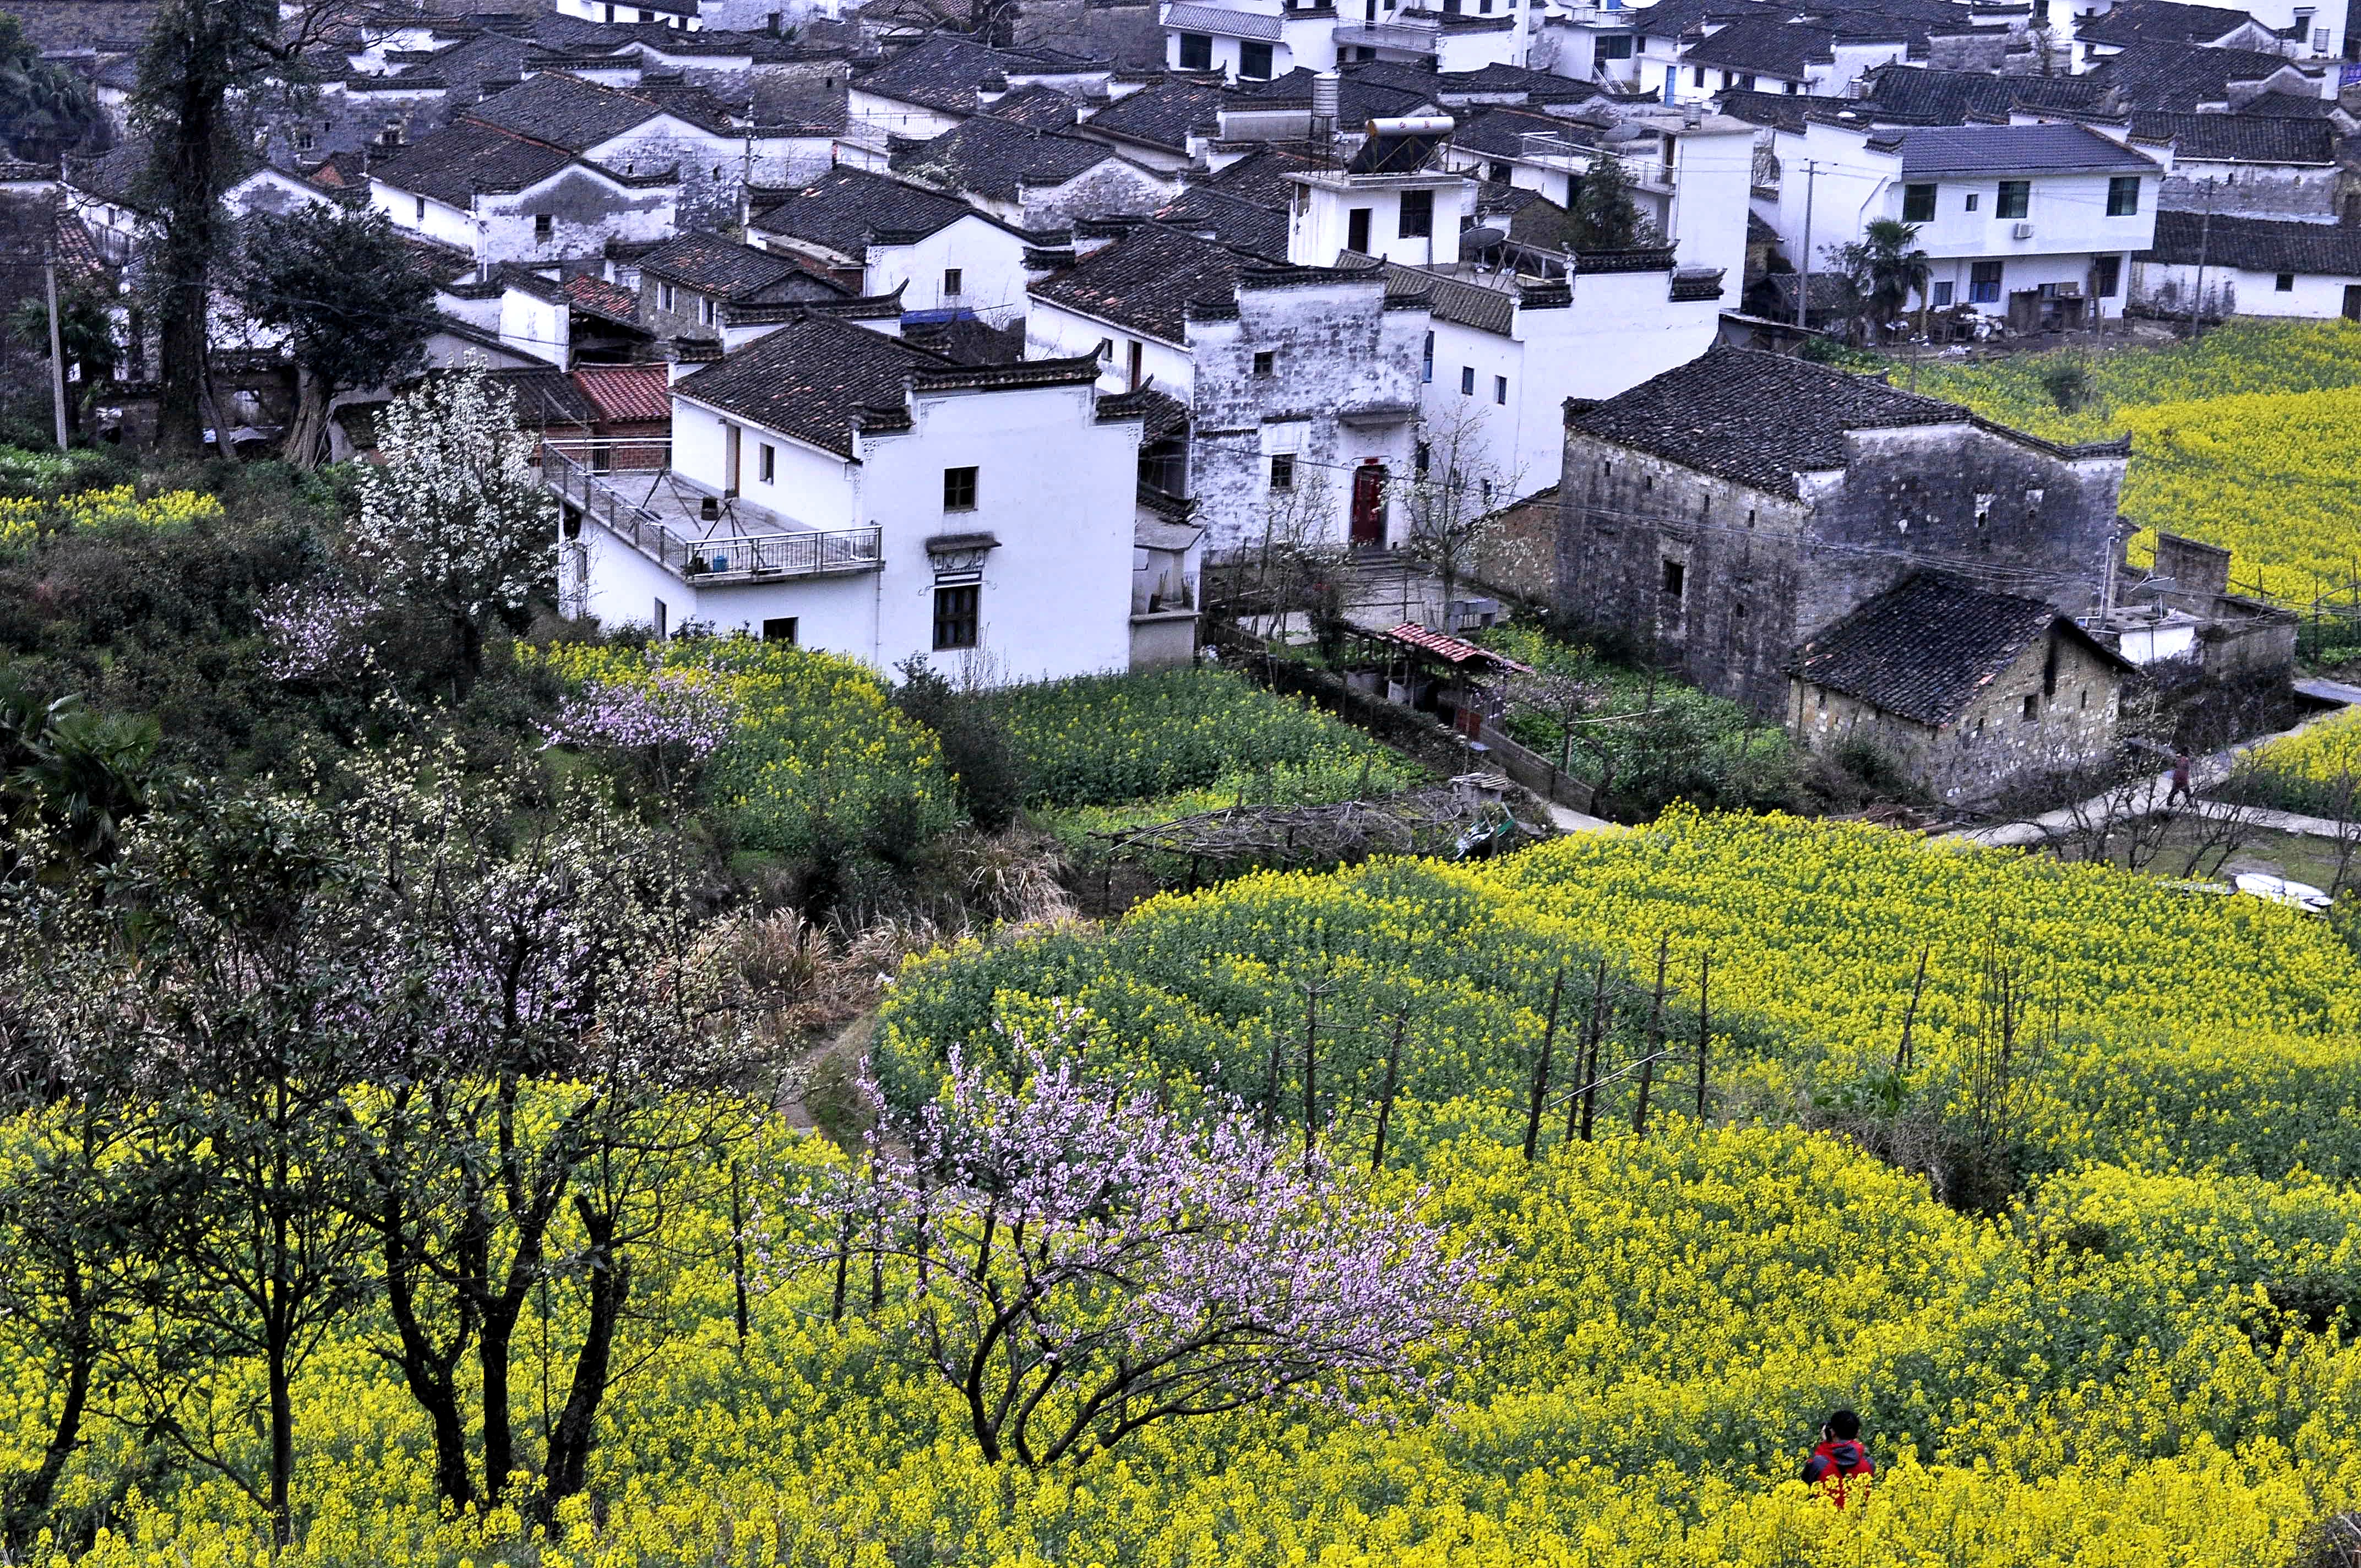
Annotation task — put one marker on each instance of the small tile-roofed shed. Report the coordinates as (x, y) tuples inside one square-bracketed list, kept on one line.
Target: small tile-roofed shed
[(1972, 693)]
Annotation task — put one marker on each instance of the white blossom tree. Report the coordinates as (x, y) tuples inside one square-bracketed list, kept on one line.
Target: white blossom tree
[(457, 519), (1080, 1261)]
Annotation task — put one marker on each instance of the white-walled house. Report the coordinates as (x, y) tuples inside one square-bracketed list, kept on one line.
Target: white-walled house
[(500, 197), (2249, 267), (1033, 178), (682, 14), (1413, 217), (877, 234), (837, 487), (1301, 383), (2033, 223)]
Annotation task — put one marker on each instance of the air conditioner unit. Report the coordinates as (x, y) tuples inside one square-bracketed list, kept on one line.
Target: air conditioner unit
[(2069, 290), (2022, 231)]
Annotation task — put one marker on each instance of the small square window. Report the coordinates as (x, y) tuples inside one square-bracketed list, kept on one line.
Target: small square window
[(959, 491), (1282, 470), (1196, 51), (1254, 60), (780, 629), (2123, 196), (1468, 380), (1973, 198), (1417, 214), (1677, 577), (1942, 297), (768, 464), (1265, 363), (2284, 283), (1918, 203), (2015, 199), (1500, 389), (543, 225), (956, 614), (2032, 709), (952, 282)]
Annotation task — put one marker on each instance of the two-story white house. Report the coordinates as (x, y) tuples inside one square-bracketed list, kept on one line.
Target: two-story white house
[(498, 196), (834, 487), (1300, 383), (879, 234), (1034, 179), (2035, 222)]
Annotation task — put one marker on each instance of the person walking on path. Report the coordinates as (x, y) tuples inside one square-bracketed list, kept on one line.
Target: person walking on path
[(2179, 790), (1839, 1464)]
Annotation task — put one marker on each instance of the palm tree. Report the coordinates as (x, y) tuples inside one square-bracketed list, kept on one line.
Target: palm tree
[(1894, 269)]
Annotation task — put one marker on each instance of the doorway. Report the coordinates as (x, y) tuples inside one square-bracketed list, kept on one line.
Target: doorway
[(1370, 505)]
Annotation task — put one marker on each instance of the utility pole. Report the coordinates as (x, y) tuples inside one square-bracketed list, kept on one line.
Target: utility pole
[(1804, 273), (2204, 237), (57, 345)]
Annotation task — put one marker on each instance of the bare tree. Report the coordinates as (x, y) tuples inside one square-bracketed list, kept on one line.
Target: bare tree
[(1454, 502)]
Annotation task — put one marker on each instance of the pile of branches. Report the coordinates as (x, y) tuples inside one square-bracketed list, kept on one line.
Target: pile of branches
[(1419, 821)]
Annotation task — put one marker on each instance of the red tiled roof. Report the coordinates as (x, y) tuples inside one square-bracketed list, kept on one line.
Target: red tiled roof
[(1454, 650), (626, 393), (602, 298)]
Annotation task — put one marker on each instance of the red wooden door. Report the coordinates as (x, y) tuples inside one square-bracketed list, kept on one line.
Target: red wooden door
[(1369, 504)]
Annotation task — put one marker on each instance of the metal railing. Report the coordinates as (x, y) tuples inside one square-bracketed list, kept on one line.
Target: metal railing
[(708, 556)]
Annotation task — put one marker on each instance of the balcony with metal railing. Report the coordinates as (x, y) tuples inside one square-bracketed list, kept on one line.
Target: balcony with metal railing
[(629, 489)]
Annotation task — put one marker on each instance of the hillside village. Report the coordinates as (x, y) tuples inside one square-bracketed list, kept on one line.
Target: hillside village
[(1154, 782)]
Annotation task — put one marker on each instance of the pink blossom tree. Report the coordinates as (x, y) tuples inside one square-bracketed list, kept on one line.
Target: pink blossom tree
[(1080, 1261)]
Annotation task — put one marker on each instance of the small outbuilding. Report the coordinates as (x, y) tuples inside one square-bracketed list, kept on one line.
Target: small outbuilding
[(1971, 693)]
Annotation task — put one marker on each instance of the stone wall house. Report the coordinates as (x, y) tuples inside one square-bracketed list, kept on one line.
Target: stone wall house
[(2219, 267), (1724, 512), (1972, 694), (2256, 166)]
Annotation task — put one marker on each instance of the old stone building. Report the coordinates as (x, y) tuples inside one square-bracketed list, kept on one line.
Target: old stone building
[(1727, 512), (1970, 693)]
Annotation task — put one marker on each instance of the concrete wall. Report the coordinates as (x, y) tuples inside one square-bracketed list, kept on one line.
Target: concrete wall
[(2255, 190), (585, 211), (990, 259), (2169, 288)]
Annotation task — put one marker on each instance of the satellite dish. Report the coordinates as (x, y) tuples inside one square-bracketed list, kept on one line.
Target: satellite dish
[(1476, 241)]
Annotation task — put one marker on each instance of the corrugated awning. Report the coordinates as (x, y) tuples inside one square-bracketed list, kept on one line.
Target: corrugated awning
[(1451, 650)]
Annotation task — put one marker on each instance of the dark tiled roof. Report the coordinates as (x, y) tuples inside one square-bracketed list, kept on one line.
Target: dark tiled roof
[(1261, 176), (546, 395), (2257, 245), (1042, 108), (565, 111), (1499, 77), (453, 163), (2287, 105), (114, 177), (1501, 132), (1765, 45), (811, 377), (2180, 77), (1758, 230), (1145, 281), (1241, 224), (996, 158), (1360, 99), (1162, 113), (1781, 110), (1221, 20), (1914, 95), (712, 265), (341, 172), (1451, 299), (1926, 650), (1938, 150), (946, 71), (1757, 418), (2165, 21), (846, 208), (2240, 138)]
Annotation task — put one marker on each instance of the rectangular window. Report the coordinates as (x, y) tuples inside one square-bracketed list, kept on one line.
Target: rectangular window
[(1974, 197), (1254, 60), (662, 620), (708, 310), (2123, 196), (667, 298), (2284, 283), (1196, 51), (1918, 203), (951, 281), (422, 209), (1500, 389), (959, 491), (956, 615), (1426, 366), (2015, 199), (767, 464), (2106, 276), (1677, 577), (780, 629), (1106, 349), (304, 141), (1356, 230), (1699, 77), (1265, 363), (1417, 214), (2032, 709), (1605, 49), (1983, 282), (1282, 470), (542, 227), (1942, 298), (1497, 171), (1468, 380)]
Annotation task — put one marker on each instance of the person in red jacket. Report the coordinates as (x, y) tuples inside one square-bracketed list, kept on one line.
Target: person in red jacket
[(1840, 1466)]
